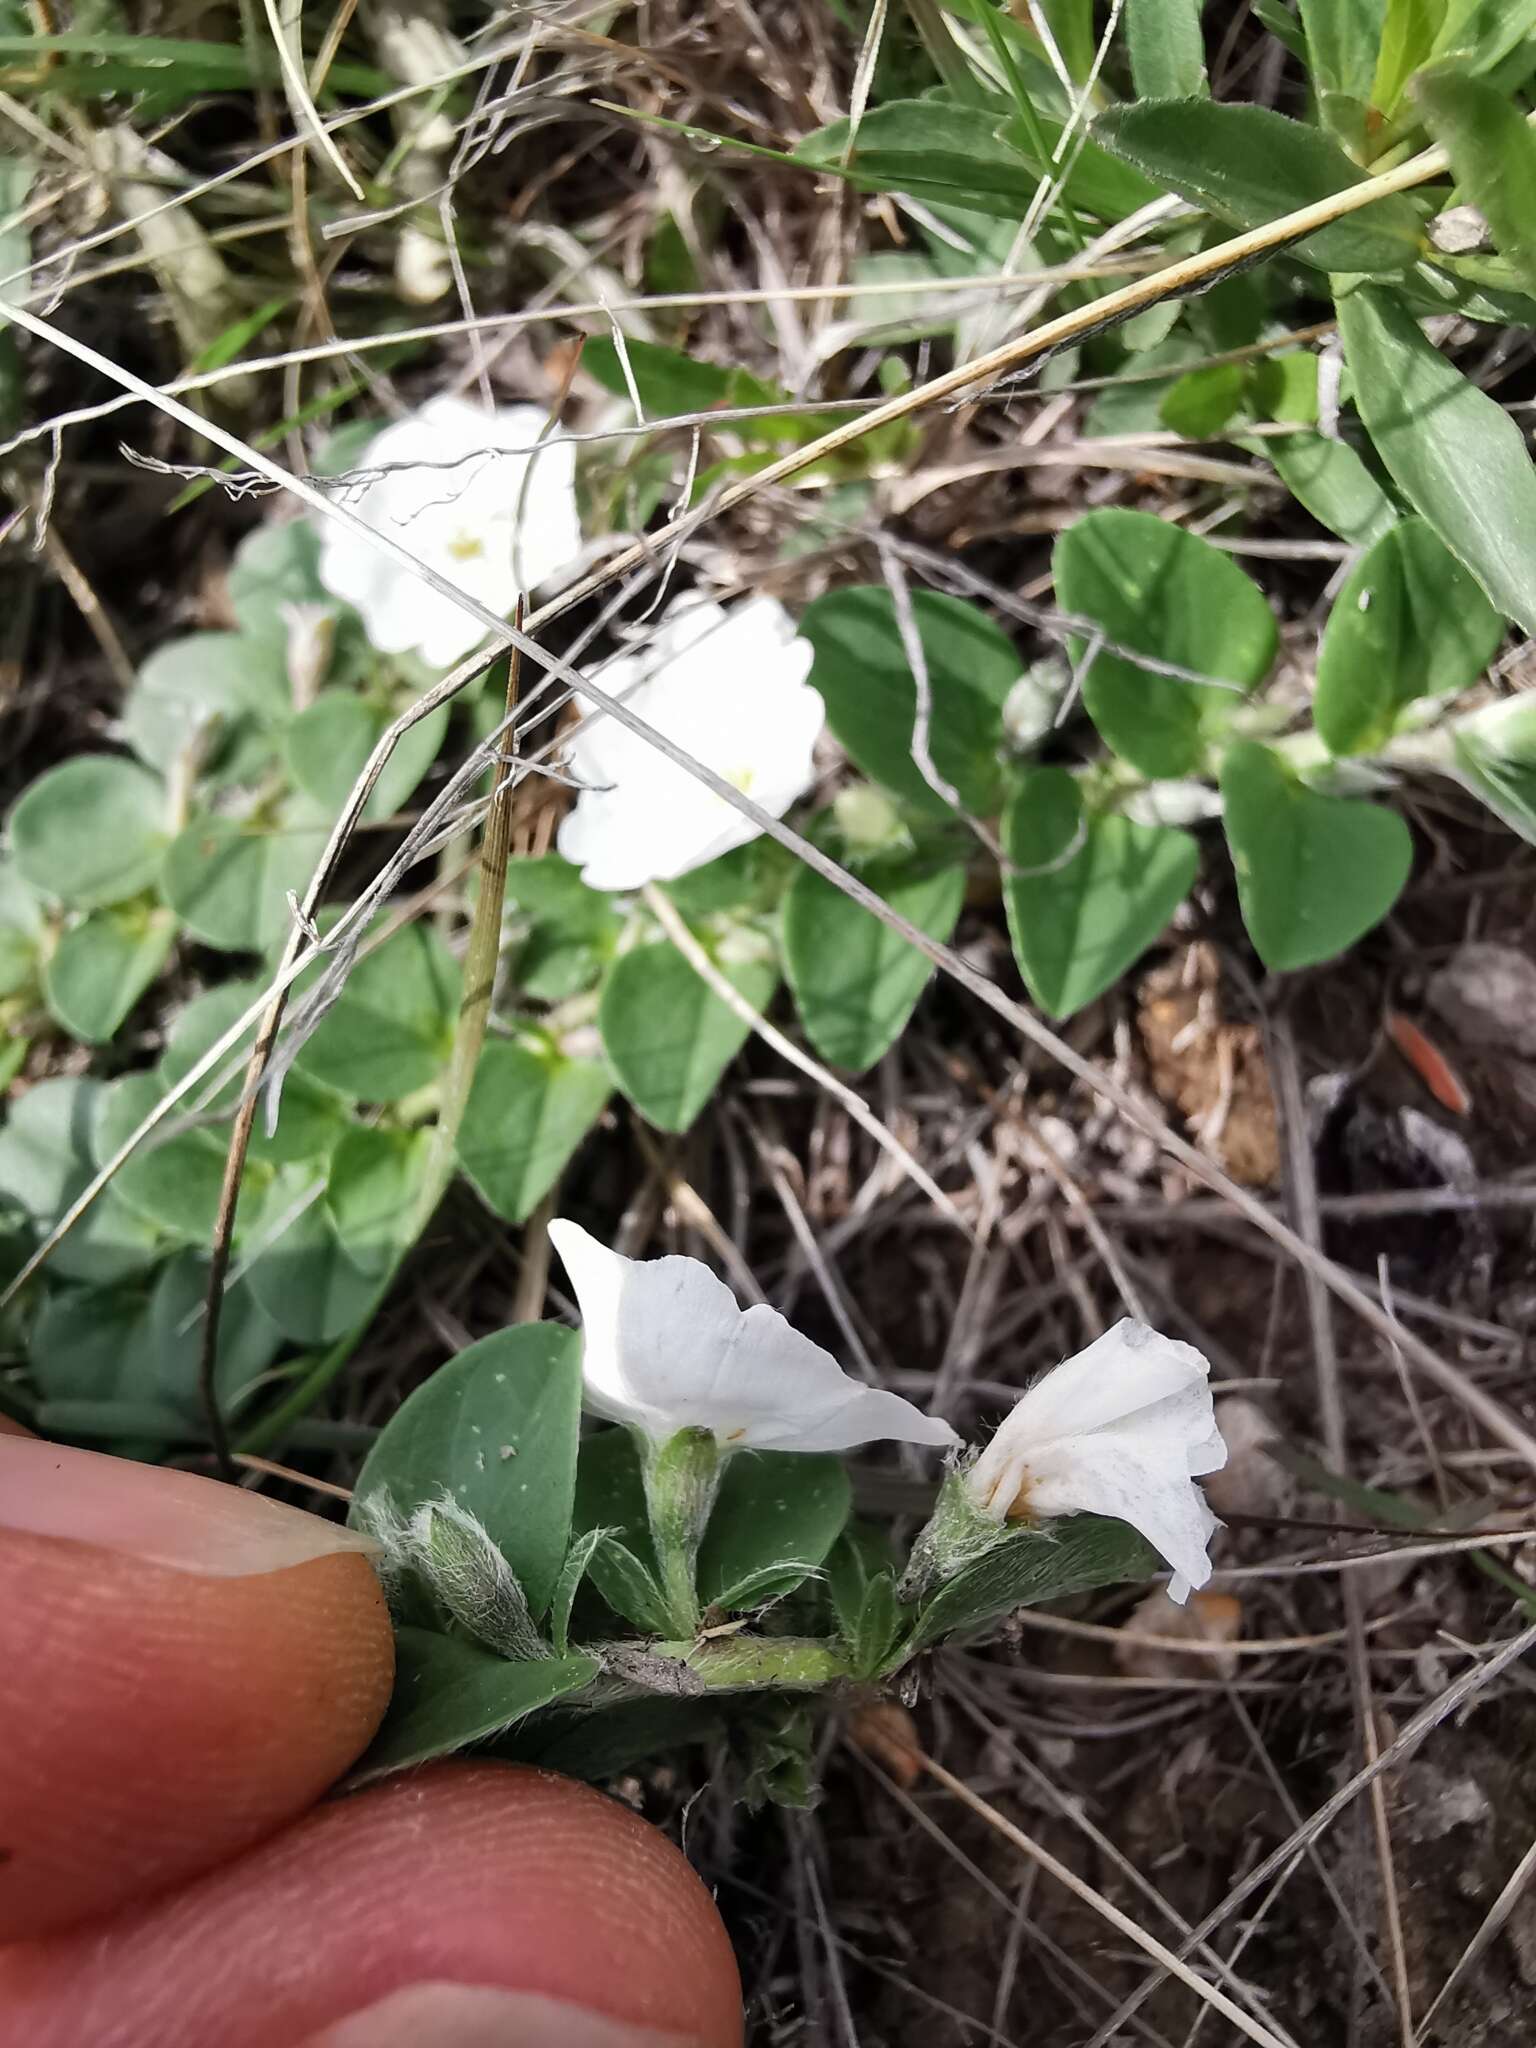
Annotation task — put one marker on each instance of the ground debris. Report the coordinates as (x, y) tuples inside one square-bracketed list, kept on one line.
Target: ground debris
[(1212, 1070)]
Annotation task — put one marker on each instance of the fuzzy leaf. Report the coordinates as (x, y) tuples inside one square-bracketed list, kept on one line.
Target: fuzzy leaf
[(496, 1428), (450, 1694)]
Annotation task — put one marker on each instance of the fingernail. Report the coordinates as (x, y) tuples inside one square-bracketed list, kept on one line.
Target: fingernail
[(164, 1517), (476, 2016)]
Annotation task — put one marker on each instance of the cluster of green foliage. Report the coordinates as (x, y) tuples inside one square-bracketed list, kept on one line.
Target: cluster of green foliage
[(523, 1572), (133, 870)]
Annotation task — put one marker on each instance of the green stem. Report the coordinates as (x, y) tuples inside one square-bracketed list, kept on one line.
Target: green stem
[(754, 1663), (1031, 121), (479, 981), (682, 1477)]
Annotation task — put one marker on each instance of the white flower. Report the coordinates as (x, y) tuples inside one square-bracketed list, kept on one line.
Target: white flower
[(1122, 1429), (495, 525), (665, 1348), (729, 687)]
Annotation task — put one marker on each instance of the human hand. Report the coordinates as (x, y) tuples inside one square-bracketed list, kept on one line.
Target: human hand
[(184, 1669)]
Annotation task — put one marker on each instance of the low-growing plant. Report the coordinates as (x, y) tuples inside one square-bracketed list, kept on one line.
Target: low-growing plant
[(1166, 716)]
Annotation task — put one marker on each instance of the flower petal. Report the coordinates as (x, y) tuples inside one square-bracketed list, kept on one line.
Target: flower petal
[(665, 1347), (1127, 1369), (731, 689), (1106, 1474)]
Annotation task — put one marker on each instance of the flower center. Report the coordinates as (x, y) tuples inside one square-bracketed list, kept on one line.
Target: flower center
[(742, 779), (1019, 1509), (466, 547)]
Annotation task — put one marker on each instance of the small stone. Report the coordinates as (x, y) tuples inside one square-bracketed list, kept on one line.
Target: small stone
[(1487, 994)]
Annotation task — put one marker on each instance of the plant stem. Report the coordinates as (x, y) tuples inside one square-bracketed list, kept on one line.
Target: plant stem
[(754, 1663), (479, 977)]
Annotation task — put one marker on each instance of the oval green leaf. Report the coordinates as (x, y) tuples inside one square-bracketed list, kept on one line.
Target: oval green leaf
[(774, 1522), (229, 880), (1087, 894), (855, 981), (1249, 165), (1313, 872), (1409, 623), (101, 966), (667, 1035), (327, 748), (212, 692), (450, 1693), (91, 832), (1155, 590), (867, 685), (529, 1108), (391, 1029), (1456, 455), (496, 1428)]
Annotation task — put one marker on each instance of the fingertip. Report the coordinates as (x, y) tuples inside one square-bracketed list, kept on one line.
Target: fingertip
[(481, 1875), (159, 1720)]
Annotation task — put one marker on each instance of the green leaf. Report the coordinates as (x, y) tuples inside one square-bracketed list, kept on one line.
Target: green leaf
[(1156, 590), (143, 1343), (1407, 37), (304, 1275), (328, 746), (1493, 153), (1167, 48), (1032, 1565), (311, 1118), (275, 566), (866, 682), (1330, 481), (91, 832), (46, 1158), (1284, 388), (598, 1746), (777, 1516), (1343, 37), (561, 933), (670, 382), (449, 1694), (952, 155), (1495, 758), (173, 1179), (1455, 453), (529, 1107), (1408, 623), (1087, 893), (855, 981), (101, 966), (496, 1428), (229, 879), (1482, 33), (328, 1239), (215, 697), (1202, 401), (391, 1029), (1249, 165), (1313, 872), (668, 1036), (22, 926), (610, 1500), (578, 1560)]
